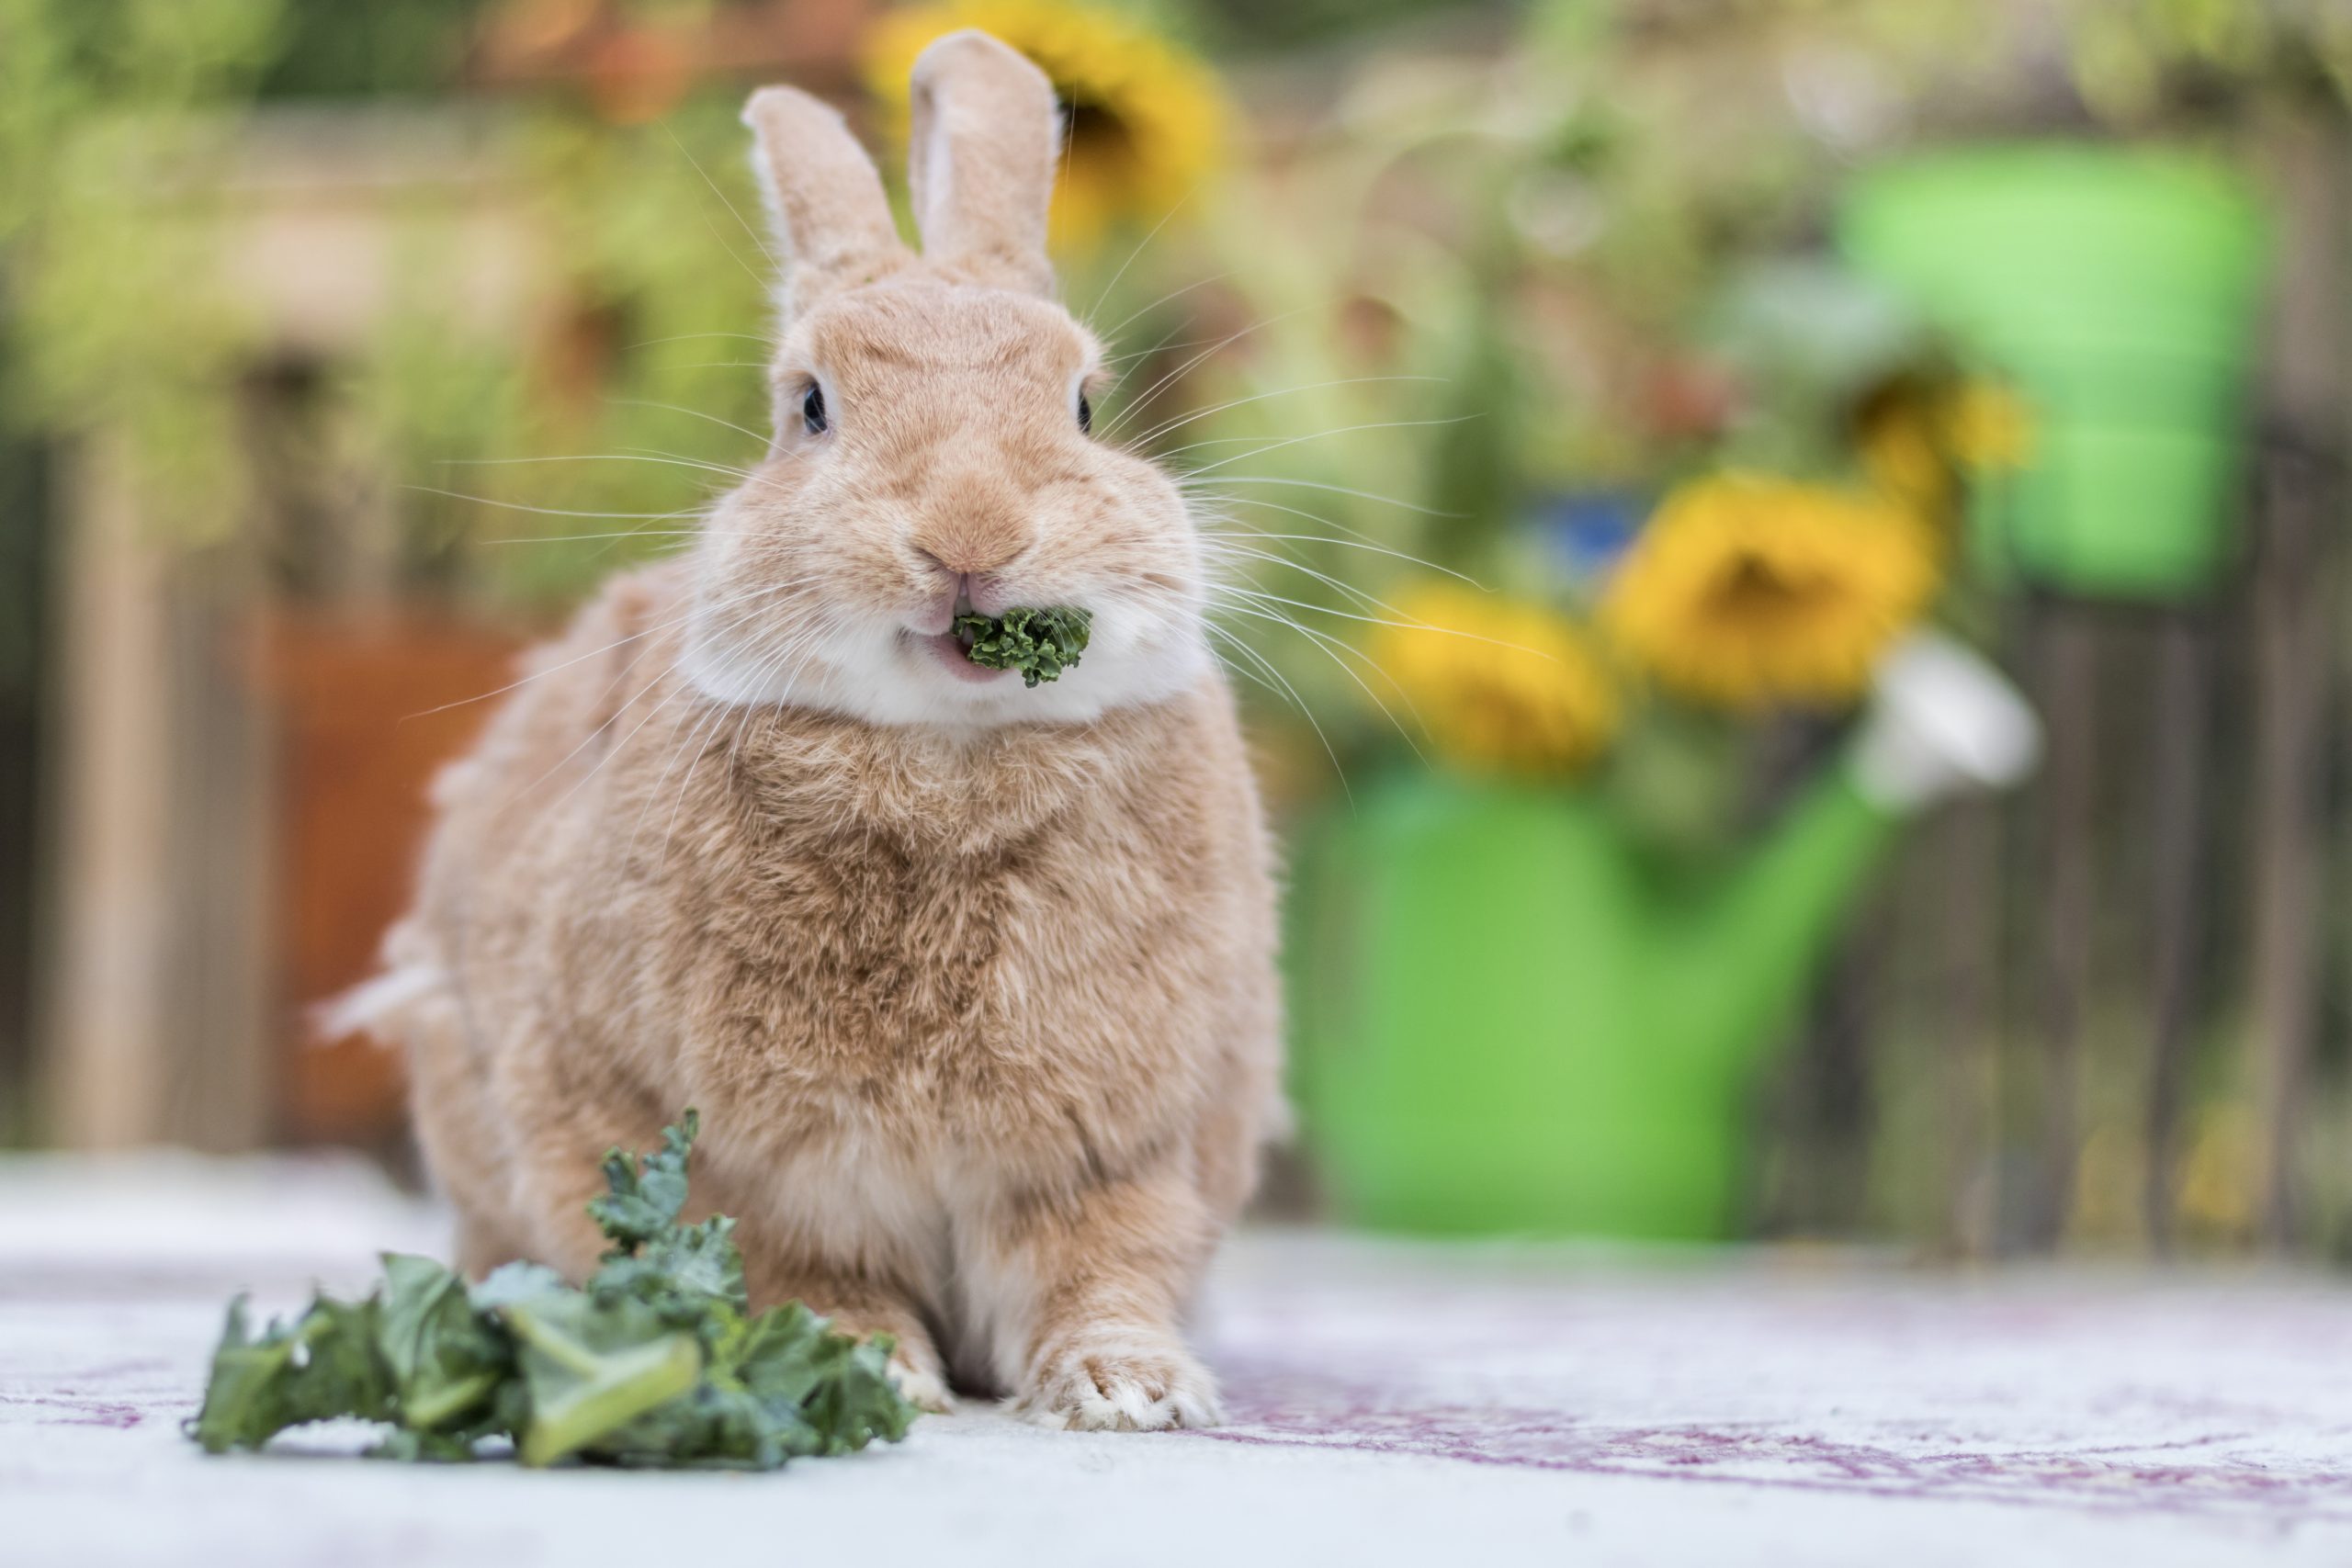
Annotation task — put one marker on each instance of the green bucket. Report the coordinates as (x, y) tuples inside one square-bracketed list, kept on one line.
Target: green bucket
[(1507, 1021), (2120, 290)]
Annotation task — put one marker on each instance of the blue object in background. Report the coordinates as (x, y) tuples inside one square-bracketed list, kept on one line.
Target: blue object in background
[(1588, 532)]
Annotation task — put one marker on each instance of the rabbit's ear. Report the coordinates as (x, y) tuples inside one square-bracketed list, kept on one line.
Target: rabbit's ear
[(987, 136), (833, 223)]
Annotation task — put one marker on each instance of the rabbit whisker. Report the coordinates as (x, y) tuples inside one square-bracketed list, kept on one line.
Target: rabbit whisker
[(1141, 244), (666, 671), (1359, 540), (691, 412), (1331, 647), (1297, 701), (1179, 420), (584, 538), (1356, 595), (732, 211), (1173, 294), (1335, 490), (1408, 623), (1321, 434), (1154, 391), (547, 511)]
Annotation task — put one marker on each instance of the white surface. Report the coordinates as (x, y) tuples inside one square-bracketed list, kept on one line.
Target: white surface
[(1391, 1405)]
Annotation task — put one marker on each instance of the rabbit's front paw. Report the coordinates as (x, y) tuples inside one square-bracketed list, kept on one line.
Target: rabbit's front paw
[(922, 1386), (1125, 1383)]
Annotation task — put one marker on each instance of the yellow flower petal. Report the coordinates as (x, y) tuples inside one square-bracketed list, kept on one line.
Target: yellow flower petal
[(1988, 426), (1146, 124), (1498, 686), (1746, 589)]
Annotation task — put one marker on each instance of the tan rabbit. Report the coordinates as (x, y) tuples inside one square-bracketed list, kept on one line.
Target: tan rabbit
[(972, 983)]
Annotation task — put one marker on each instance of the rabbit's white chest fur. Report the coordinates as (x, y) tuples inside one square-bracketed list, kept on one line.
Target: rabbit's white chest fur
[(912, 983)]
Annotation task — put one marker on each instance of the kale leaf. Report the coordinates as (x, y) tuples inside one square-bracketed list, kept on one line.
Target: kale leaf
[(443, 1359), (593, 1366), (645, 1195), (656, 1362), (315, 1368), (1041, 644)]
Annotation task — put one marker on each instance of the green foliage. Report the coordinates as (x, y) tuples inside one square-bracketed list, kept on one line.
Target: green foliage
[(335, 48), (592, 1364), (442, 1359), (1041, 644), (629, 394), (103, 109), (645, 1196), (656, 1363), (319, 1367), (1246, 25)]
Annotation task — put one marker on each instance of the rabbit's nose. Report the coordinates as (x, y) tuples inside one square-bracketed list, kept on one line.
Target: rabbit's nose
[(973, 543)]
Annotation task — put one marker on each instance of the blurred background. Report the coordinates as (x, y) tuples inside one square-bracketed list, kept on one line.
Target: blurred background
[(1613, 419)]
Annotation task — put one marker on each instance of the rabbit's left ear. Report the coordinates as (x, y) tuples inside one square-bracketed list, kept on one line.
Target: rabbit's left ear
[(824, 196), (987, 137)]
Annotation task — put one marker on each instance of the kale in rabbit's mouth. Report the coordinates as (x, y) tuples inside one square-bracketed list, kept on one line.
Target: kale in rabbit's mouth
[(1041, 644)]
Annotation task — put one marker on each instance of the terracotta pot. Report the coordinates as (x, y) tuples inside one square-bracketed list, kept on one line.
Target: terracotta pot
[(367, 710)]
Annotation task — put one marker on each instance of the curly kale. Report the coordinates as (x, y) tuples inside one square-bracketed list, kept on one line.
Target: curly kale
[(656, 1362), (1041, 644)]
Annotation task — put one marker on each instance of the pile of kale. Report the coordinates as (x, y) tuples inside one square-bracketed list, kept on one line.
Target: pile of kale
[(656, 1362), (1041, 644)]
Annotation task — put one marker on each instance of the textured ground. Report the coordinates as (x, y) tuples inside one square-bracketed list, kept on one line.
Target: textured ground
[(1390, 1406)]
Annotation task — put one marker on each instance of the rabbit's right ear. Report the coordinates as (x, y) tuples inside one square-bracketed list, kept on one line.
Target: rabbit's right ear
[(987, 135), (833, 223)]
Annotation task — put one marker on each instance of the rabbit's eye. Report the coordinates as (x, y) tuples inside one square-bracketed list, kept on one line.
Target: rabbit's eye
[(1085, 414), (812, 411)]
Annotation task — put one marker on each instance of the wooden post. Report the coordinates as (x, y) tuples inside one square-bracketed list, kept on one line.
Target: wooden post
[(2302, 501), (2069, 662), (2184, 698), (157, 1013), (108, 1005), (1968, 959)]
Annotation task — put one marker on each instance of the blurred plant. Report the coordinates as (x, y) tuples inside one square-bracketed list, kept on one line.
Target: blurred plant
[(1145, 120), (109, 115), (609, 416), (2134, 63), (1500, 686), (645, 396), (334, 49), (1816, 440)]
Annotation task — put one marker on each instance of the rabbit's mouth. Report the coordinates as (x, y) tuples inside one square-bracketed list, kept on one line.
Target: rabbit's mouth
[(953, 646), (954, 650), (959, 626)]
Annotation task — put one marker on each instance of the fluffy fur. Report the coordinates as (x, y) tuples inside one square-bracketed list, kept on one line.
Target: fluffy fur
[(973, 984)]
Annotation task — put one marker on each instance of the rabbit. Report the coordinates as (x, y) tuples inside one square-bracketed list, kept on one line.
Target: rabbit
[(973, 985)]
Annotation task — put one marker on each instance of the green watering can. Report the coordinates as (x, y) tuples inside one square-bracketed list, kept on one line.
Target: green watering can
[(2121, 288), (1506, 1024)]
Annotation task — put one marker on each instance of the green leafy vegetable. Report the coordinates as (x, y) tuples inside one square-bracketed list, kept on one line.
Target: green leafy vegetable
[(656, 1362), (1041, 644), (318, 1366), (592, 1366), (645, 1195), (442, 1358)]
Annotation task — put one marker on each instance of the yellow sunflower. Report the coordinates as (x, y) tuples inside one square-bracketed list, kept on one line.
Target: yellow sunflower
[(1988, 426), (1498, 686), (1145, 120), (1916, 443), (1901, 440), (1746, 589)]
